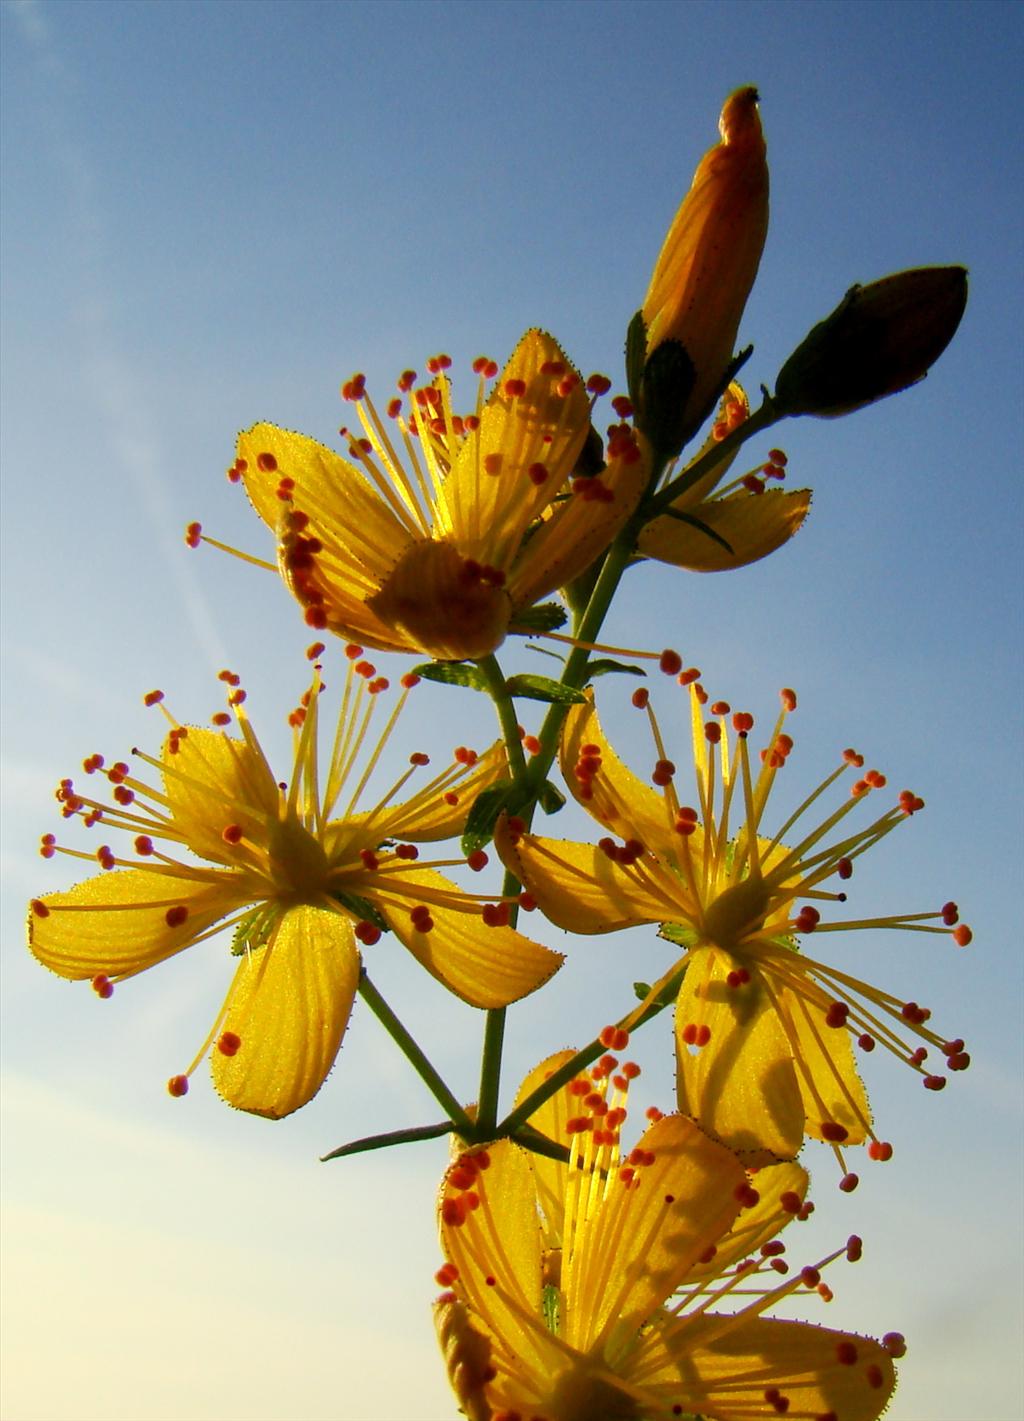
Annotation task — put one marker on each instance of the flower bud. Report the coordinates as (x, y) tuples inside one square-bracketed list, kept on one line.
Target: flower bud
[(709, 258), (879, 339)]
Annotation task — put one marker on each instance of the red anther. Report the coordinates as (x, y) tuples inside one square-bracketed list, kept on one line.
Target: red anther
[(689, 1033), (477, 860), (578, 1125), (464, 1176), (959, 1061), (773, 1249), (623, 406), (837, 1014), (495, 915), (232, 833), (598, 384), (640, 698), (670, 662), (380, 684), (703, 1035), (895, 1344), (102, 986), (47, 845), (854, 1248), (418, 758), (567, 384), (393, 408), (866, 1042), (437, 363), (105, 857), (916, 1057), (451, 798), (531, 744), (950, 1048), (630, 1069), (752, 483), (116, 773), (849, 1183), (515, 388), (852, 758), (367, 933), (316, 618), (453, 1212), (193, 534), (778, 456), (538, 474), (835, 1133), (228, 1043), (788, 698), (177, 1086), (934, 1082), (807, 919), (844, 868), (663, 772), (738, 977), (962, 935), (266, 463), (516, 825), (689, 676), (219, 718), (746, 1195), (810, 1277), (743, 722), (875, 779), (950, 914), (790, 1202), (464, 755), (366, 669), (527, 903), (369, 859), (447, 1275), (846, 1353), (779, 1265), (720, 708), (712, 732), (39, 908), (406, 380), (352, 651), (174, 917), (776, 1400), (124, 795), (910, 1011), (406, 851), (880, 1150)]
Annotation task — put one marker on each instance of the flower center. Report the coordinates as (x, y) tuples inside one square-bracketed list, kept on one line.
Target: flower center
[(736, 913), (580, 1396), (453, 607), (297, 861)]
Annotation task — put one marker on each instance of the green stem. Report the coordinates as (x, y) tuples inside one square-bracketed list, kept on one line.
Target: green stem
[(763, 418), (497, 689), (414, 1054)]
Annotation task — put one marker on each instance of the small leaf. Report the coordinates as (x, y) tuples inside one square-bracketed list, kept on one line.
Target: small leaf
[(483, 816), (545, 617), (675, 932), (605, 665), (253, 930), (452, 673), (542, 688), (362, 908), (551, 799), (636, 354)]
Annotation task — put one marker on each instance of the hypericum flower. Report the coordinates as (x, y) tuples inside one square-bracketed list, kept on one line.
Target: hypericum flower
[(763, 1032), (714, 529), (440, 553), (629, 1287), (709, 258), (298, 872)]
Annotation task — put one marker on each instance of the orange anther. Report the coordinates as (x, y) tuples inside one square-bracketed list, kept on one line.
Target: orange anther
[(178, 1086), (228, 1043)]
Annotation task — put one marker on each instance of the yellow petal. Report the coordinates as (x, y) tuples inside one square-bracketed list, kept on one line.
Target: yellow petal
[(489, 499), (710, 256), (753, 525), (577, 886), (614, 796), (116, 923), (733, 408), (827, 1072), (723, 1368), (645, 1236), (289, 1006), (486, 967), (580, 528), (496, 1247), (426, 817), (213, 780), (741, 1086), (550, 1119), (361, 536), (756, 1224)]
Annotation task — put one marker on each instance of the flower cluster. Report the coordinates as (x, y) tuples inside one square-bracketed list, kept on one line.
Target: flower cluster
[(581, 1281)]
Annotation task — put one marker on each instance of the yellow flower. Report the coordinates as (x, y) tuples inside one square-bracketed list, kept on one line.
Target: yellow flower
[(594, 1290), (295, 870), (714, 529), (764, 1033), (440, 553), (709, 258)]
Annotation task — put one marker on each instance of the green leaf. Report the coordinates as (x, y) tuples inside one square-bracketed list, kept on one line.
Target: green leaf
[(675, 932), (545, 617), (636, 355), (479, 829), (452, 673), (551, 799), (362, 908), (604, 665), (668, 380), (542, 688)]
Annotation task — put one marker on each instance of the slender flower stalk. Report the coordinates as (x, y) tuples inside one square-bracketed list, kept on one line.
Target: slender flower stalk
[(296, 869), (625, 1285), (764, 1032)]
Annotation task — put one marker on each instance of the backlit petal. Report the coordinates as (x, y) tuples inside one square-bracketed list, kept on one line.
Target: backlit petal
[(550, 1119), (485, 966), (116, 923), (213, 780), (423, 818), (753, 525), (290, 1005), (827, 1072), (756, 1224), (721, 1368), (741, 1086)]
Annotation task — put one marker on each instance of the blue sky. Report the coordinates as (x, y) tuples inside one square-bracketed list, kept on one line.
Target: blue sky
[(214, 213)]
